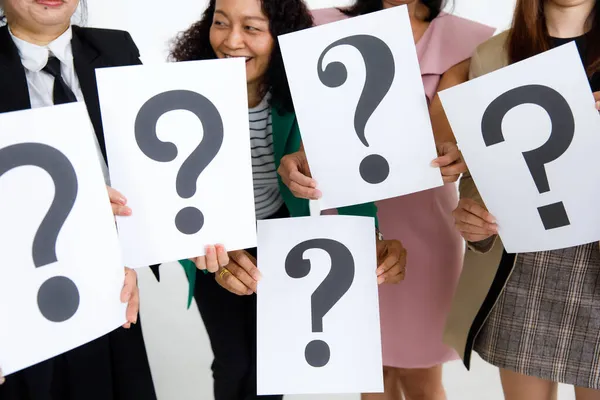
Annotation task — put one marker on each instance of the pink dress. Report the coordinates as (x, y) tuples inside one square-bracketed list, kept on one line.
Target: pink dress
[(413, 313)]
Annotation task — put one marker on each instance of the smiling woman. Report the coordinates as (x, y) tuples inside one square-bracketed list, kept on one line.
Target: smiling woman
[(227, 300)]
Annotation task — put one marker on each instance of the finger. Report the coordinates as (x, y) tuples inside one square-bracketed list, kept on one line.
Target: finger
[(394, 275), (116, 196), (222, 256), (302, 180), (597, 96), (478, 210), (473, 230), (392, 258), (446, 159), (598, 105), (133, 307), (121, 211), (244, 261), (477, 222), (212, 264), (2, 379), (304, 192), (231, 283), (200, 263), (455, 169), (129, 285), (244, 277)]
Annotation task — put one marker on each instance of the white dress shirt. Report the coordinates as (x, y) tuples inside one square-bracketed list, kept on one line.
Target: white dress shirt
[(41, 84)]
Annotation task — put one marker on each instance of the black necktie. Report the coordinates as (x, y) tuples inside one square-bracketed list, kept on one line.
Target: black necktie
[(62, 93)]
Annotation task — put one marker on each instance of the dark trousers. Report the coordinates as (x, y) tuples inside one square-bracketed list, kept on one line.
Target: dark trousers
[(230, 321)]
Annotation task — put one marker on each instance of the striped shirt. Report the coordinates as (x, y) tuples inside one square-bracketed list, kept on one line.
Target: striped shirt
[(267, 199)]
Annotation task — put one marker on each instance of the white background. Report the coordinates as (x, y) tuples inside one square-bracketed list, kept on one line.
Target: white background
[(90, 257), (178, 347), (224, 192), (500, 171)]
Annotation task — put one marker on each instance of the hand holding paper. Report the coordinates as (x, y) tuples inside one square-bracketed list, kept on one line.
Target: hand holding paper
[(118, 203), (450, 162), (295, 174), (392, 258), (473, 221), (241, 275)]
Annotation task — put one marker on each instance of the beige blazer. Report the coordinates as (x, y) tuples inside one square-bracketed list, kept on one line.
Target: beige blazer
[(486, 266)]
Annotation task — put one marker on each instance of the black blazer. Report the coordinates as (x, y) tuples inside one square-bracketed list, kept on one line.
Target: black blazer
[(92, 48)]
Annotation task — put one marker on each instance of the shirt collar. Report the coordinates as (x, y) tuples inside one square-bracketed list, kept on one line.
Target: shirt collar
[(35, 57)]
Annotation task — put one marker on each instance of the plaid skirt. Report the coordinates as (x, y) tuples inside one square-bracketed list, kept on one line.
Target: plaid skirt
[(546, 322)]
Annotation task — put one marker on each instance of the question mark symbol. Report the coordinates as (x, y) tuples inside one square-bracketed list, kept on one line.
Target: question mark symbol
[(329, 292), (188, 220), (380, 71), (58, 297), (563, 129)]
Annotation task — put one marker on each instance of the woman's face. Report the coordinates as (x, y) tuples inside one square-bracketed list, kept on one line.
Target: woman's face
[(38, 15), (240, 29)]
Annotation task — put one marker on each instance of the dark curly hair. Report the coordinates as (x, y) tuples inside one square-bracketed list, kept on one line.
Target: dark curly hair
[(284, 16), (362, 7)]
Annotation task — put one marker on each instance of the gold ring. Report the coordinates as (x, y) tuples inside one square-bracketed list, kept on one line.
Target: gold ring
[(223, 272)]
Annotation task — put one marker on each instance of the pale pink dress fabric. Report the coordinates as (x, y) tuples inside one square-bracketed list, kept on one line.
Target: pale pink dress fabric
[(413, 313)]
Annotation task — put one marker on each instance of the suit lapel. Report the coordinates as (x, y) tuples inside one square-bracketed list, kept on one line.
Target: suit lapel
[(14, 90), (86, 59)]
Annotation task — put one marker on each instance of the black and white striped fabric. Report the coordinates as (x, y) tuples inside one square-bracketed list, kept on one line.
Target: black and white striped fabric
[(267, 199)]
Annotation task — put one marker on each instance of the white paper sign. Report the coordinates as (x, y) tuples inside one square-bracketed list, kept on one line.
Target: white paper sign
[(318, 307), (178, 144), (361, 107), (61, 272), (529, 134)]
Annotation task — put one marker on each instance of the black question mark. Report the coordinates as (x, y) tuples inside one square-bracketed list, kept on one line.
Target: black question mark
[(189, 220), (380, 71), (329, 292), (58, 297), (563, 129)]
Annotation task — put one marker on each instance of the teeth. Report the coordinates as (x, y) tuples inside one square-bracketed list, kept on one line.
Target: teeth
[(229, 56)]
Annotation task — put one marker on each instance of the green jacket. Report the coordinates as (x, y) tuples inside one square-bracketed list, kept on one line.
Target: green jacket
[(286, 140)]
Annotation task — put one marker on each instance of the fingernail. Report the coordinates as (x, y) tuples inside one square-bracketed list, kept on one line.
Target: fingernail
[(379, 271), (127, 211), (318, 194), (380, 280), (210, 249), (435, 164), (135, 319), (598, 105)]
